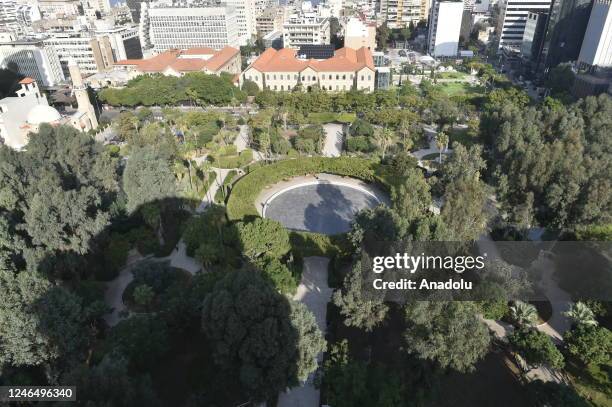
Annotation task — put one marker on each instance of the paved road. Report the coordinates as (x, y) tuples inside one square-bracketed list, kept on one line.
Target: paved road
[(113, 297), (333, 140), (314, 292)]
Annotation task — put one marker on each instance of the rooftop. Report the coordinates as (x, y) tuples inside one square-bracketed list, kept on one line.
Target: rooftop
[(285, 60), (189, 60)]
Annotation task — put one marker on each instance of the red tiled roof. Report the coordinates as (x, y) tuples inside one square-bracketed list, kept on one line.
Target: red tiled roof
[(172, 59), (284, 60), (26, 81)]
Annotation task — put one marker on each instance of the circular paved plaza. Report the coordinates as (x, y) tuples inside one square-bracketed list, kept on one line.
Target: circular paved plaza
[(320, 207)]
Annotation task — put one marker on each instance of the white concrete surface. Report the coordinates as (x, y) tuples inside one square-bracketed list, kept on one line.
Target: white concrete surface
[(315, 293), (333, 140)]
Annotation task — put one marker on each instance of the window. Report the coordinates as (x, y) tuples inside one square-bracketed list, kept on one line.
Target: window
[(275, 87), (344, 76), (303, 78), (337, 76), (275, 77), (361, 77), (282, 87), (369, 77)]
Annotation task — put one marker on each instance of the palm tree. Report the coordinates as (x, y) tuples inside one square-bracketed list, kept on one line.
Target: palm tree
[(404, 131), (441, 143), (581, 314), (384, 138), (523, 313)]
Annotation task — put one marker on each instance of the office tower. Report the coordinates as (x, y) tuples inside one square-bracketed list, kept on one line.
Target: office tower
[(32, 58), (245, 18), (533, 36), (189, 27), (596, 48), (90, 53), (134, 6), (513, 17), (444, 28), (567, 23)]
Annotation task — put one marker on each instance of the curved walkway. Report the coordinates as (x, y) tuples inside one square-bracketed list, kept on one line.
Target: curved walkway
[(333, 140)]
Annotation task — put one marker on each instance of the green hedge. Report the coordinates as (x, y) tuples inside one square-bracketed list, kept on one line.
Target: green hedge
[(241, 202)]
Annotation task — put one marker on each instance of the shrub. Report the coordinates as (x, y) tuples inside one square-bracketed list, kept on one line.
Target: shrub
[(360, 144), (280, 275), (590, 344), (536, 347), (242, 199), (115, 256), (361, 128)]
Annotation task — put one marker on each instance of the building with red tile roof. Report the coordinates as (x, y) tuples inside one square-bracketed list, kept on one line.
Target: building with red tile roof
[(179, 62), (283, 70)]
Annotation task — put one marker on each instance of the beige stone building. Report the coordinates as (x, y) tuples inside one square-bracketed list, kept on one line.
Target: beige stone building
[(282, 71), (271, 20)]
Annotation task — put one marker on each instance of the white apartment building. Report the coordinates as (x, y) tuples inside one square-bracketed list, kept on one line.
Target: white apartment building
[(335, 7), (245, 17), (91, 54), (305, 29), (191, 27), (59, 8), (32, 58), (596, 48), (400, 13), (444, 28), (513, 18), (360, 34)]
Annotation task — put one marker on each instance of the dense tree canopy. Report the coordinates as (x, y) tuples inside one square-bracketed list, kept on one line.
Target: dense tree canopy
[(258, 334), (448, 332)]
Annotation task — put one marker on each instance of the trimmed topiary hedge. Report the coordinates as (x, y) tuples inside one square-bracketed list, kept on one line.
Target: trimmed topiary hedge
[(241, 202)]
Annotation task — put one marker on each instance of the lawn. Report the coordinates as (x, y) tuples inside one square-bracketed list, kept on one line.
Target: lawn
[(462, 136), (460, 89), (452, 75)]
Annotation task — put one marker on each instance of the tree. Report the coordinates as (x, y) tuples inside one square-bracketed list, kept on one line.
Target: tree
[(39, 323), (384, 139), (464, 211), (142, 339), (346, 380), (280, 275), (441, 143), (359, 309), (257, 334), (311, 342), (263, 238), (412, 198), (110, 384), (544, 394), (250, 88), (382, 36), (590, 344), (524, 314), (147, 179), (536, 347), (581, 314), (143, 295), (444, 111), (463, 163), (448, 332), (361, 127), (405, 130)]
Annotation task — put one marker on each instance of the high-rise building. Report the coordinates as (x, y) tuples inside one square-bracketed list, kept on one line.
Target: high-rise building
[(513, 17), (400, 13), (596, 48), (565, 28), (59, 8), (90, 53), (305, 29), (245, 18), (444, 28), (32, 58), (533, 36), (191, 27), (124, 41), (134, 6)]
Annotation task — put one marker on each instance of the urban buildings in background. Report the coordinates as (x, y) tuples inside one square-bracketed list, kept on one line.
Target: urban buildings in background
[(444, 28), (401, 13), (596, 48), (306, 28), (513, 18), (359, 34), (31, 57)]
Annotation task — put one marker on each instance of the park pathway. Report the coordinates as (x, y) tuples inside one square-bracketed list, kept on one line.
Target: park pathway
[(113, 296), (315, 293), (333, 140)]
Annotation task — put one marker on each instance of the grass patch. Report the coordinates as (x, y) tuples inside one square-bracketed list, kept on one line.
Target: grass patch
[(232, 161), (452, 75), (460, 89), (329, 117), (241, 203), (432, 156), (593, 383)]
